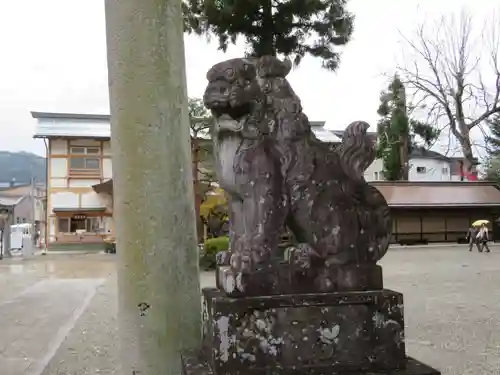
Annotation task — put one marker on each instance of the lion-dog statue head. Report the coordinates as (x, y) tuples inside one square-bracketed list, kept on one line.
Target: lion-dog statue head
[(232, 89)]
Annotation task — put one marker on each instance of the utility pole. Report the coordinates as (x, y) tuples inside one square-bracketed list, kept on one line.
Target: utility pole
[(158, 276), (3, 220), (6, 215), (34, 229)]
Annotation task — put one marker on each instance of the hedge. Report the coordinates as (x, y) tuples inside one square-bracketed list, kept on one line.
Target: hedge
[(211, 247)]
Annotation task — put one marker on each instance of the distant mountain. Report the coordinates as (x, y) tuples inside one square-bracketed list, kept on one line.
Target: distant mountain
[(21, 167)]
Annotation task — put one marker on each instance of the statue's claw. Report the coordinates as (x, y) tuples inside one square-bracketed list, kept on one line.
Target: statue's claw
[(241, 267)]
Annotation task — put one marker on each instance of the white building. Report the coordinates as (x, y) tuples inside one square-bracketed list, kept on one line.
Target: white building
[(78, 157), (425, 165), (28, 201)]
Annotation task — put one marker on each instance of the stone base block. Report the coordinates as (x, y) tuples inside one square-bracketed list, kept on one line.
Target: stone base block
[(285, 278), (320, 332), (194, 364)]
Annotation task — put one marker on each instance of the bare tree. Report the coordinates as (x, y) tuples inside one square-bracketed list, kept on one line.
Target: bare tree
[(454, 77)]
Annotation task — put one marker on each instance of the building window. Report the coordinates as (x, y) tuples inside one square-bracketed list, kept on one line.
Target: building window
[(85, 150), (63, 225), (92, 224), (445, 170), (421, 169), (84, 161), (378, 176), (78, 223)]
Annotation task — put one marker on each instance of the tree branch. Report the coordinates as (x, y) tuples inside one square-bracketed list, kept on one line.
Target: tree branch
[(447, 77)]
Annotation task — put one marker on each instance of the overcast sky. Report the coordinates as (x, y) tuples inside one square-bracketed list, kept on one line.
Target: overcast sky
[(54, 60)]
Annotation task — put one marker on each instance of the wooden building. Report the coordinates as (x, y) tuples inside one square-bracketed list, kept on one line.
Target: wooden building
[(440, 211), (78, 157)]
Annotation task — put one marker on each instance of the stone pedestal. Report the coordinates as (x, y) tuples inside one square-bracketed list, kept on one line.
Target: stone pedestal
[(194, 364), (318, 333)]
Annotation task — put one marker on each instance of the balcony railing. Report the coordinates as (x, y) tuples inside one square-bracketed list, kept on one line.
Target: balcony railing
[(74, 172)]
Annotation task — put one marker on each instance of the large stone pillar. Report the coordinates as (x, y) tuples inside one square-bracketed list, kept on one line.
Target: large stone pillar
[(159, 299)]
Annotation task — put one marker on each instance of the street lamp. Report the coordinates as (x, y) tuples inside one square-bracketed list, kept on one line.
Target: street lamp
[(4, 220)]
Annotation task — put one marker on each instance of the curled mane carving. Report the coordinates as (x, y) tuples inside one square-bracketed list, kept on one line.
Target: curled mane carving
[(357, 150)]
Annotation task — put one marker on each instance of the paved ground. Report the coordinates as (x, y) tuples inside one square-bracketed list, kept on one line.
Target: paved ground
[(41, 299), (58, 312)]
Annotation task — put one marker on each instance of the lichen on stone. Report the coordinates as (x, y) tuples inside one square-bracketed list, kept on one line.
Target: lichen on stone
[(329, 336)]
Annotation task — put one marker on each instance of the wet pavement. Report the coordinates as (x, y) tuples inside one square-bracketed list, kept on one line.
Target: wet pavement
[(58, 312), (40, 301)]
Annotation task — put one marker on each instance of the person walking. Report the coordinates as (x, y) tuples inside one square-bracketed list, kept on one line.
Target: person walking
[(482, 238), (472, 234)]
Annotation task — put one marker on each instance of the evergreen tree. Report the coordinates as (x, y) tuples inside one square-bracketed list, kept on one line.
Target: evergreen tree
[(292, 28), (492, 169), (493, 140), (398, 134), (493, 147)]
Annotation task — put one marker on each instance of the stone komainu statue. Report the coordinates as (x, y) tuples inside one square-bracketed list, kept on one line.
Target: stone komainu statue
[(245, 167), (276, 172)]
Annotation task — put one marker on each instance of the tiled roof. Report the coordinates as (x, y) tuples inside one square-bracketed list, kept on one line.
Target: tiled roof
[(10, 200), (418, 194), (438, 194), (423, 153), (71, 125), (73, 209), (104, 187), (98, 126), (325, 135)]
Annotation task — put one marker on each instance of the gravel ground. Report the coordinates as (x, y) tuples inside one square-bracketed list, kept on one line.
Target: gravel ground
[(452, 312), (91, 347), (452, 307)]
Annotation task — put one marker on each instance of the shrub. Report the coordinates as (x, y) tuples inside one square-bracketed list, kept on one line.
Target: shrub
[(219, 243), (211, 247)]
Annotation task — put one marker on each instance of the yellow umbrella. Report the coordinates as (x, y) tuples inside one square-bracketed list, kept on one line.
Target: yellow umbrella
[(480, 222)]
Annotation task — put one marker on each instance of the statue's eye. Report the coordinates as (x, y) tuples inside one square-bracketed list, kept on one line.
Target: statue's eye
[(247, 82)]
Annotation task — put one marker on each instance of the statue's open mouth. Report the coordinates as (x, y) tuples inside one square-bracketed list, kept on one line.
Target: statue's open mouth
[(237, 112)]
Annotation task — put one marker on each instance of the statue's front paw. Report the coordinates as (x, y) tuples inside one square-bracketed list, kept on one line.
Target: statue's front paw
[(241, 267), (240, 262), (233, 283)]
